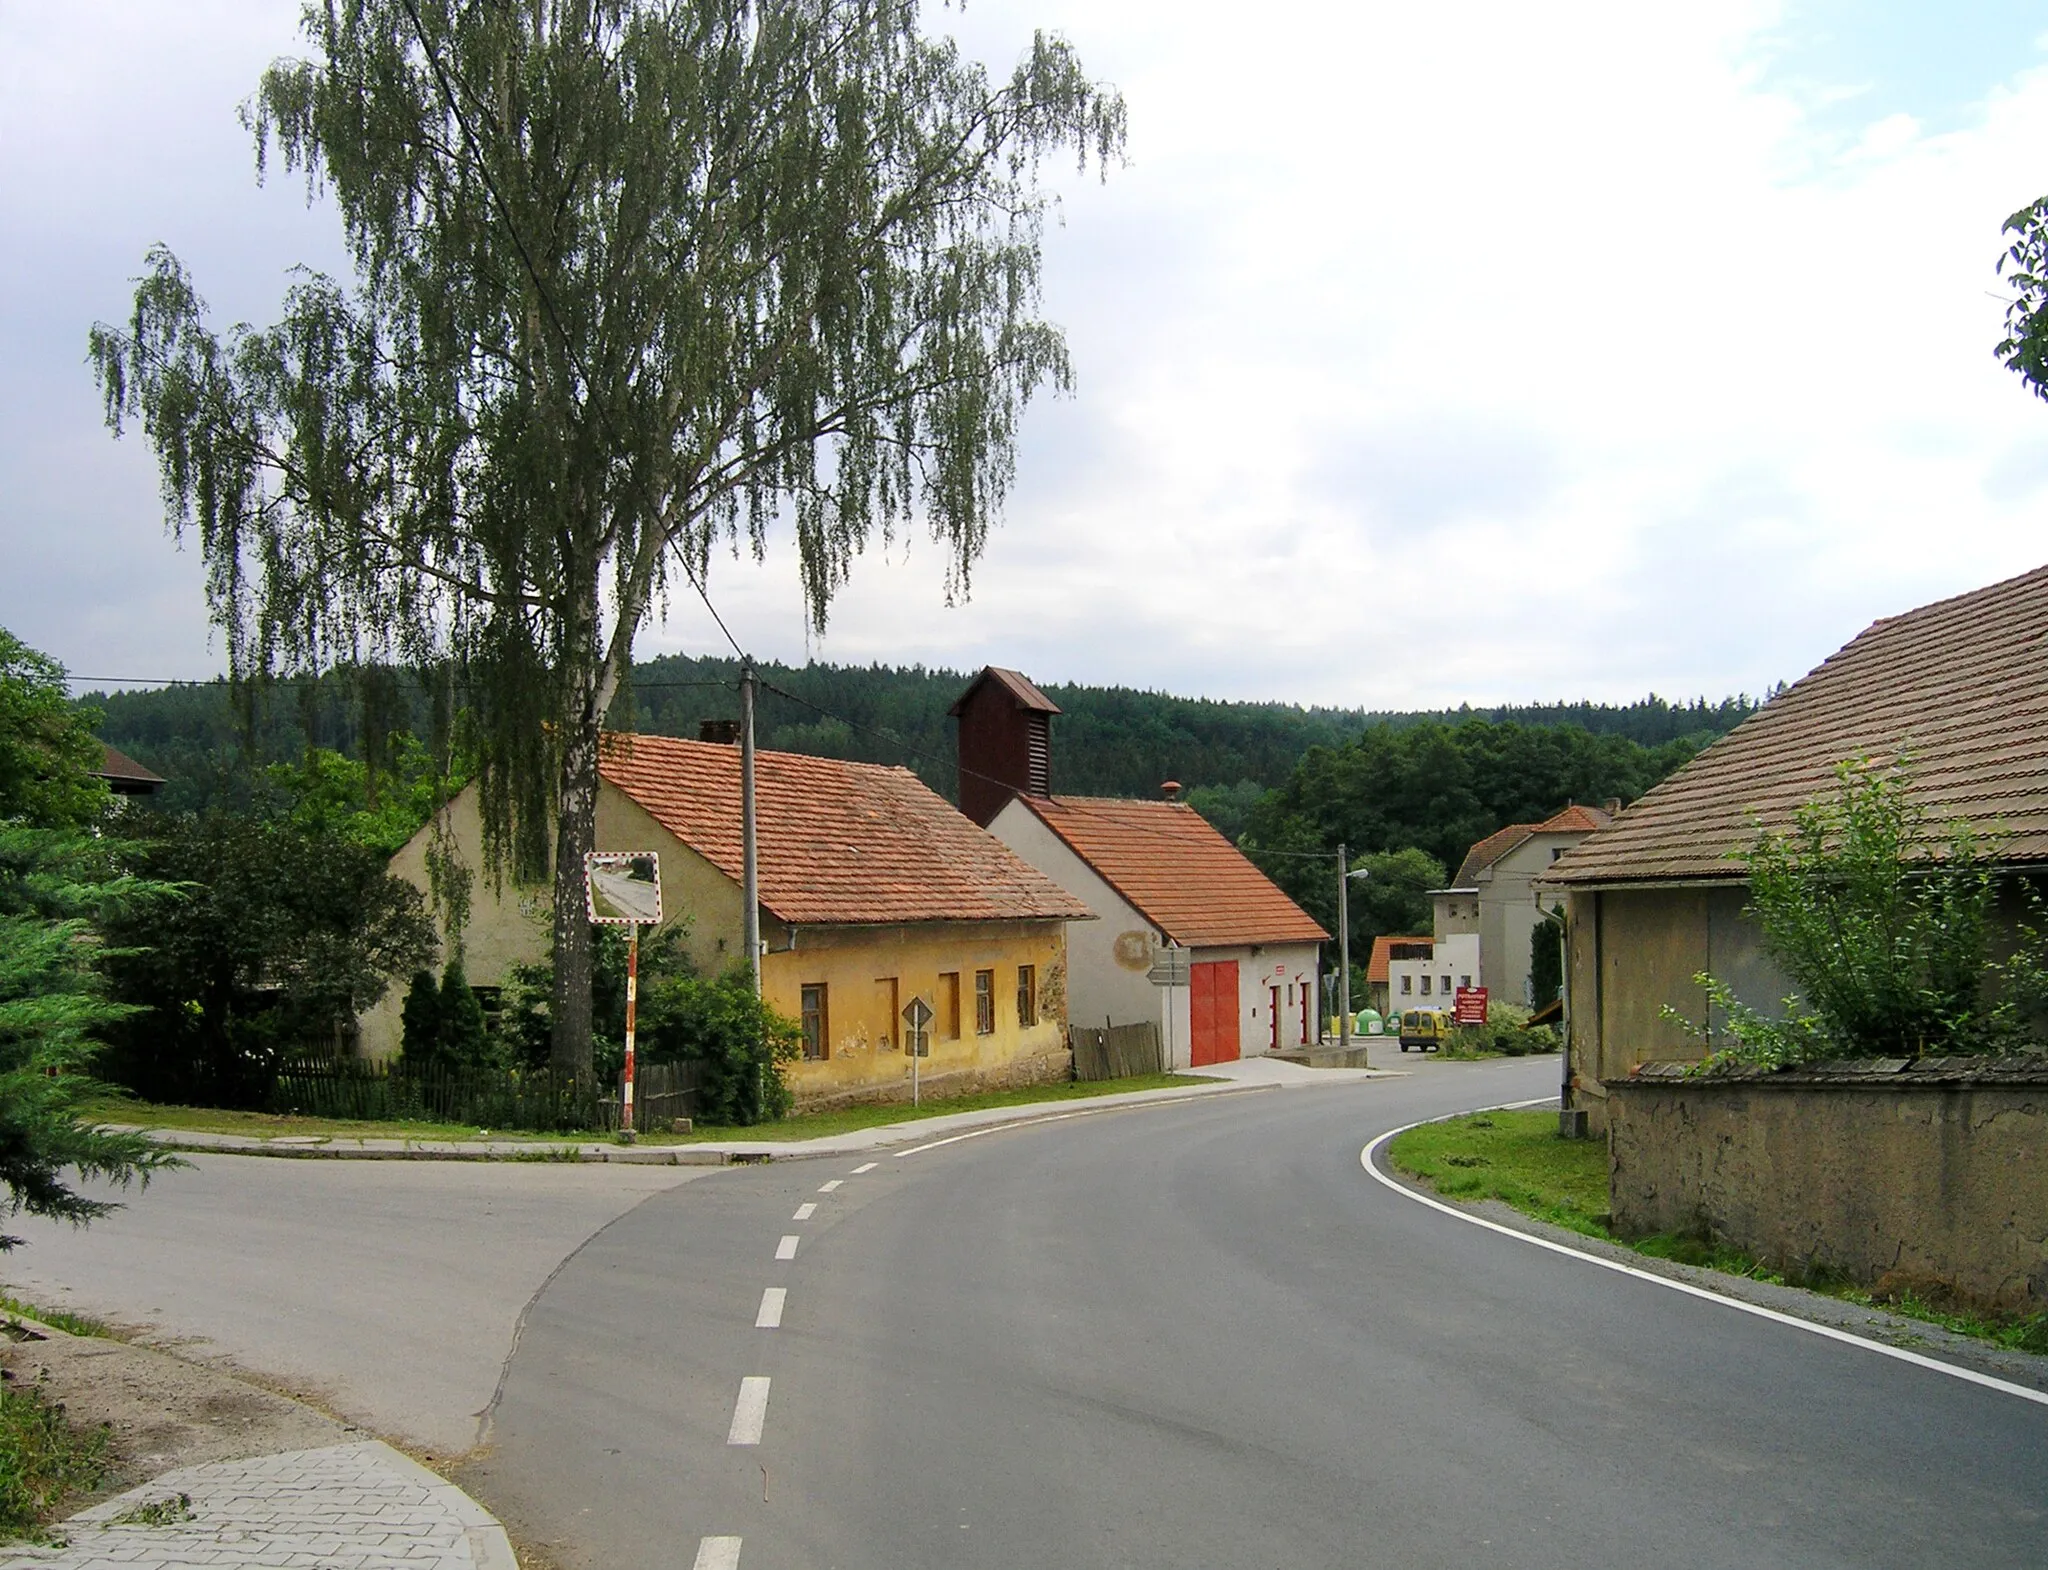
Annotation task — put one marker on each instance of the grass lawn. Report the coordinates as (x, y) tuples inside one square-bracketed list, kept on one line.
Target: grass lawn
[(811, 1125), (1517, 1158), (43, 1459)]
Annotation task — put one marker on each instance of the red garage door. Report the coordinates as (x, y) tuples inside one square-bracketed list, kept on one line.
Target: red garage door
[(1212, 1002)]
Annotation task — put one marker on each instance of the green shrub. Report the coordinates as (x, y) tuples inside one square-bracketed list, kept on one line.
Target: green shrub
[(420, 1018), (739, 1042)]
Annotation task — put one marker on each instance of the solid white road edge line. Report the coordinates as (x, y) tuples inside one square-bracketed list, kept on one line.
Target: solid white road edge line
[(1085, 1112), (827, 1188), (717, 1553), (770, 1315), (804, 1212), (750, 1412), (786, 1249), (1849, 1338), (867, 1167)]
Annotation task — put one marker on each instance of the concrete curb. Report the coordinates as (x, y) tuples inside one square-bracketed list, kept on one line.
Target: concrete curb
[(304, 1147)]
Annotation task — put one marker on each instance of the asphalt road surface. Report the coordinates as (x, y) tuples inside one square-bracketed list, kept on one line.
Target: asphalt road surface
[(1200, 1335), (389, 1290)]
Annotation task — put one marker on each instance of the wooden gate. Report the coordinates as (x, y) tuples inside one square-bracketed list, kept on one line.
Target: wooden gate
[(1212, 1010)]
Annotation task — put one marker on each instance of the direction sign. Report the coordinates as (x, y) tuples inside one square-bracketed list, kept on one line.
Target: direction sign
[(1169, 968), (623, 887)]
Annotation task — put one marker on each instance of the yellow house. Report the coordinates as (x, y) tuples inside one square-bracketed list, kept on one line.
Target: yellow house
[(873, 890)]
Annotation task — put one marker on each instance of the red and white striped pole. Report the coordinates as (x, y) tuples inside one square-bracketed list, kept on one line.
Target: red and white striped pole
[(632, 1007)]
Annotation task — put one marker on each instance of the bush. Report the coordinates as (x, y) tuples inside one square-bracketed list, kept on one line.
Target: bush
[(740, 1042), (42, 1458)]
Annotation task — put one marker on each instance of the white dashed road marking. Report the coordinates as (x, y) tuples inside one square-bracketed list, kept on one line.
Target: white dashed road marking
[(750, 1413), (717, 1553), (804, 1212), (770, 1316), (786, 1249), (857, 1171), (827, 1188)]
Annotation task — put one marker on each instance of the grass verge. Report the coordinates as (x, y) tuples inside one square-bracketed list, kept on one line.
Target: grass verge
[(808, 1125), (43, 1459), (57, 1318), (1517, 1158)]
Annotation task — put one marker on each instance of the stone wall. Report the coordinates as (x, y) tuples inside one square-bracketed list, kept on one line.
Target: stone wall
[(1930, 1175)]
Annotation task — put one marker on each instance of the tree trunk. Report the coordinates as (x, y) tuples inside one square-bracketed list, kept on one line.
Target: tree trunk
[(575, 834)]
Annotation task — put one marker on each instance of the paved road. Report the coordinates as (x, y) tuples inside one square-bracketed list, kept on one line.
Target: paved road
[(389, 1289), (1198, 1335)]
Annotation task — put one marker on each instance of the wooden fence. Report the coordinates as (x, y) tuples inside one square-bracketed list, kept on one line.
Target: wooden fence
[(1115, 1051), (533, 1100)]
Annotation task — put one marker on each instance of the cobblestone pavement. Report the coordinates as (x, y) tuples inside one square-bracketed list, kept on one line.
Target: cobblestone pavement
[(358, 1506)]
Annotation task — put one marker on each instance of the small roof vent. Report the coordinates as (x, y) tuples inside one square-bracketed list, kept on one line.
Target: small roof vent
[(1170, 789)]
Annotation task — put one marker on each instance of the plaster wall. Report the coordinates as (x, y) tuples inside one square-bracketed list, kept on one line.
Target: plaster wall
[(1943, 1187), (1509, 912), (1419, 983), (1108, 959), (871, 973), (1634, 952)]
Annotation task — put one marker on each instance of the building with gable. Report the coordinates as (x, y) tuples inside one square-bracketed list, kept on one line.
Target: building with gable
[(1155, 876), (1486, 919), (1957, 687), (873, 890)]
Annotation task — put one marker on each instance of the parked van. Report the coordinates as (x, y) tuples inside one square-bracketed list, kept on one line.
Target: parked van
[(1423, 1030)]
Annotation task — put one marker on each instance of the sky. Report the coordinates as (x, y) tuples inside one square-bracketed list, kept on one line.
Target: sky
[(1426, 354)]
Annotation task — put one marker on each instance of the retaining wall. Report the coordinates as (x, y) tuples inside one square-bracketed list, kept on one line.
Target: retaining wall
[(1933, 1174)]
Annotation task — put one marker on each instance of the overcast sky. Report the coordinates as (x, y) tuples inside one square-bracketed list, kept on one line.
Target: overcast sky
[(1427, 352)]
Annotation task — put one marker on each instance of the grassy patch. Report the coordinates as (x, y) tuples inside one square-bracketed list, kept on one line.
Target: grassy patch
[(1517, 1158), (848, 1120), (43, 1459), (170, 1510), (57, 1318), (809, 1125)]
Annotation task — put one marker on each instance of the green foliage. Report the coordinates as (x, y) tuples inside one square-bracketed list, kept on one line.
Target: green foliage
[(462, 1037), (2024, 266), (43, 1458), (1882, 918), (48, 757), (633, 281), (338, 797), (283, 938), (419, 1018), (1546, 959), (739, 1041), (1228, 808)]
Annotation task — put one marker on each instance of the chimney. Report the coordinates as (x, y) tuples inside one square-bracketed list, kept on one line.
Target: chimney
[(1004, 742), (726, 733), (1170, 789), (1613, 805)]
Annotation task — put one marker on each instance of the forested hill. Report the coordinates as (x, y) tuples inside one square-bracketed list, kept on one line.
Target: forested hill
[(1112, 741)]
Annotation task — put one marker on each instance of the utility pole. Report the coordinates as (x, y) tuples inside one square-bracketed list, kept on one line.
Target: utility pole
[(750, 863), (1344, 947)]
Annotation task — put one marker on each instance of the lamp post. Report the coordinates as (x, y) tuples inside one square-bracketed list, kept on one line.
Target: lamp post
[(1344, 877)]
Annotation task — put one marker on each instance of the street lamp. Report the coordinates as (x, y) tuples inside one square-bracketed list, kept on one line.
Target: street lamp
[(1344, 876)]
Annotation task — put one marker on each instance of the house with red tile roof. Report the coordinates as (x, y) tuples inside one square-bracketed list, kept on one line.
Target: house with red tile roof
[(1486, 920), (1388, 950), (873, 890), (1155, 876)]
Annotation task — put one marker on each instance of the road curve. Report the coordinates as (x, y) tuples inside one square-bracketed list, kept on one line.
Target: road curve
[(1198, 1335)]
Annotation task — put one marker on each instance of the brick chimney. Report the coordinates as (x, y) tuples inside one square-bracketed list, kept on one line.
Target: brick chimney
[(1005, 742)]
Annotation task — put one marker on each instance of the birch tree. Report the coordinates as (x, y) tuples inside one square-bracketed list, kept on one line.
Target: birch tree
[(635, 281)]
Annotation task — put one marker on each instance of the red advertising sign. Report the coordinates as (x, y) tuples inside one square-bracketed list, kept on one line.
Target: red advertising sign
[(1469, 1007)]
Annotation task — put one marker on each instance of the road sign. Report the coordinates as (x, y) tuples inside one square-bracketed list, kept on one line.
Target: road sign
[(1469, 1006), (917, 1014), (1169, 968), (623, 887)]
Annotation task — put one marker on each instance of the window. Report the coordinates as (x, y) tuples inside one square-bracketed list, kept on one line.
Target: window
[(1464, 981), (1447, 986), (887, 998), (1407, 983), (1425, 986), (949, 1006), (1027, 994), (817, 1039), (984, 1003)]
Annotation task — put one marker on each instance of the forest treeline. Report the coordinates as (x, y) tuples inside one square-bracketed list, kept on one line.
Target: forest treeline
[(1109, 741)]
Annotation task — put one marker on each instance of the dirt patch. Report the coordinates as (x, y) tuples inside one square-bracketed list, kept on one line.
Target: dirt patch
[(161, 1411)]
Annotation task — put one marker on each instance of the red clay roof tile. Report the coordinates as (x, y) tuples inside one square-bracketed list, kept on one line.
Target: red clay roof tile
[(1177, 871), (839, 843)]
